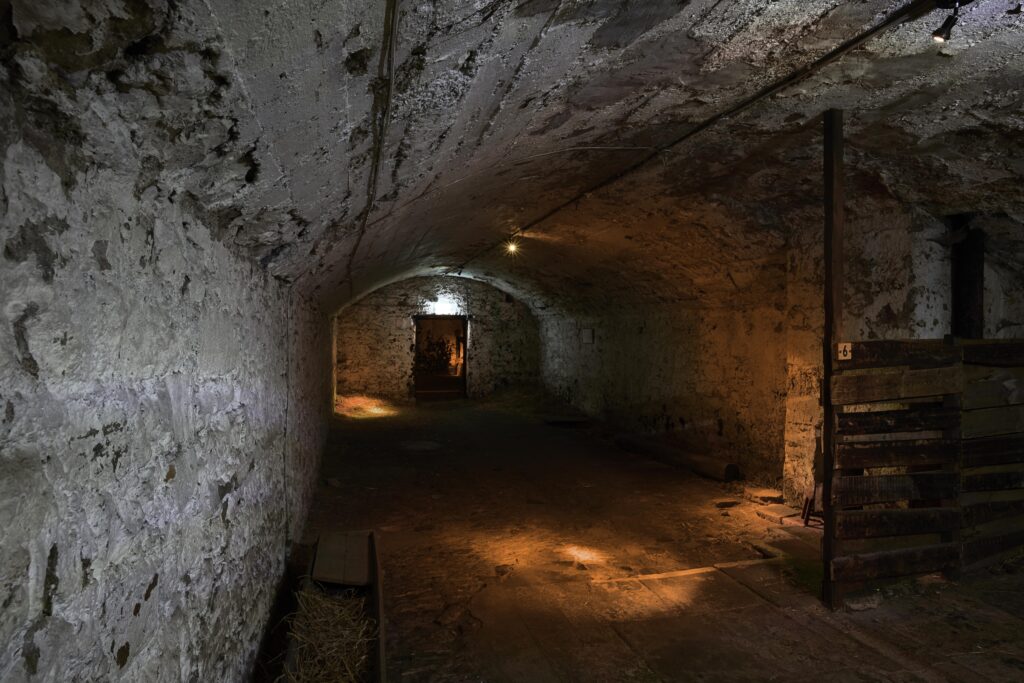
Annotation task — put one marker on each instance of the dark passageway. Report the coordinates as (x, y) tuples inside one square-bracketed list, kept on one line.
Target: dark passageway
[(439, 367)]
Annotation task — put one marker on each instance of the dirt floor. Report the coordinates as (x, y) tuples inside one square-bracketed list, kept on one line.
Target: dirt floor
[(514, 550)]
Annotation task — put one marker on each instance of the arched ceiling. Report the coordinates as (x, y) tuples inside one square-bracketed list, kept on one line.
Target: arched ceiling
[(356, 143)]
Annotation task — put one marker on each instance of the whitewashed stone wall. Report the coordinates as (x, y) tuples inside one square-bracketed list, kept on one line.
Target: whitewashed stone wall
[(375, 337), (897, 287), (157, 435), (159, 421)]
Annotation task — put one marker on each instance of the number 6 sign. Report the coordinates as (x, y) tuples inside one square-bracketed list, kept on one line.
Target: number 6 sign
[(844, 351)]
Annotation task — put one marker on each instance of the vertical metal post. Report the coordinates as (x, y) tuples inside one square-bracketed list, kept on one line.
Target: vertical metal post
[(833, 239)]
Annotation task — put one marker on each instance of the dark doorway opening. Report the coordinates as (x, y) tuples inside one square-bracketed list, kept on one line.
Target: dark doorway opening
[(440, 366)]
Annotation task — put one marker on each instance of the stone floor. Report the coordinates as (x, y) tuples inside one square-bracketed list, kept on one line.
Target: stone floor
[(514, 550)]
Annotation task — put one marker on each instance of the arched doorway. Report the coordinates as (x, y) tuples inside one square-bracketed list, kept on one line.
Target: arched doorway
[(439, 370)]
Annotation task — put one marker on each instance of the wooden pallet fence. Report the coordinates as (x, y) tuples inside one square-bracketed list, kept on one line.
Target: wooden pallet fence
[(928, 459), (992, 452)]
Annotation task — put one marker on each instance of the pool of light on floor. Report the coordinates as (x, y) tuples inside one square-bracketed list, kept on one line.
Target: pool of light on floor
[(359, 407)]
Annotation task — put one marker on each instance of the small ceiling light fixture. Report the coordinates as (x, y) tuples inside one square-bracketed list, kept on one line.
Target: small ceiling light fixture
[(945, 32), (512, 247)]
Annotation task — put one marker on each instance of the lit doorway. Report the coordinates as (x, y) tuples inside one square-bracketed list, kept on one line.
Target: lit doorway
[(440, 361)]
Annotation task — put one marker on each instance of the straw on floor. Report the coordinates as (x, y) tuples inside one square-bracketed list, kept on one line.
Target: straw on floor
[(333, 635)]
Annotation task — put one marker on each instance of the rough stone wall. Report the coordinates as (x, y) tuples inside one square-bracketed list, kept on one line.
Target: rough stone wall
[(375, 337), (152, 451), (1004, 276), (897, 287), (145, 391), (804, 327), (714, 378), (309, 407)]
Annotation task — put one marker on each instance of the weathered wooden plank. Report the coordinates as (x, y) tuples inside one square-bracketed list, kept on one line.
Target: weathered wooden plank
[(882, 354), (894, 384), (852, 524), (896, 453), (917, 417), (893, 563), (993, 481), (1004, 353), (994, 450), (983, 513), (978, 549), (890, 488), (989, 387), (891, 437), (343, 558), (992, 421), (982, 497)]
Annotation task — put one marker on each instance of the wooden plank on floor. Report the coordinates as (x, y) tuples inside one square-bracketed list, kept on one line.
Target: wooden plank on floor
[(573, 641), (660, 575), (704, 643), (773, 580), (343, 558), (700, 593), (931, 630), (894, 384), (512, 651), (864, 490)]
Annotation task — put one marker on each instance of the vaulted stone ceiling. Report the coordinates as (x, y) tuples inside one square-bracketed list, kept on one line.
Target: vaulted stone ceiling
[(344, 145)]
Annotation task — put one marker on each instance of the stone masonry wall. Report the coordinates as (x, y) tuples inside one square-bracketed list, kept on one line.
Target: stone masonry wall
[(714, 378), (375, 337), (1004, 276), (160, 424), (897, 287), (308, 410), (150, 436)]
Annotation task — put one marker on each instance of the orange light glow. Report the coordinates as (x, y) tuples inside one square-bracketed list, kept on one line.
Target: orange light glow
[(583, 554), (363, 407)]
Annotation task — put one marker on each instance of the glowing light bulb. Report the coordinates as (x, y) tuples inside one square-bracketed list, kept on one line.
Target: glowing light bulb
[(511, 247)]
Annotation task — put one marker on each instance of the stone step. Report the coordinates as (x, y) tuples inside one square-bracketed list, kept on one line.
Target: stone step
[(776, 513), (764, 496)]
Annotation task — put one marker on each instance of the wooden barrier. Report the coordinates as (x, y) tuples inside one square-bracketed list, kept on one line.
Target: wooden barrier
[(928, 459)]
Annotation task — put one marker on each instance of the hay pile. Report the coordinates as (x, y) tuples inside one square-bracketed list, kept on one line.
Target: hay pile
[(332, 635)]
